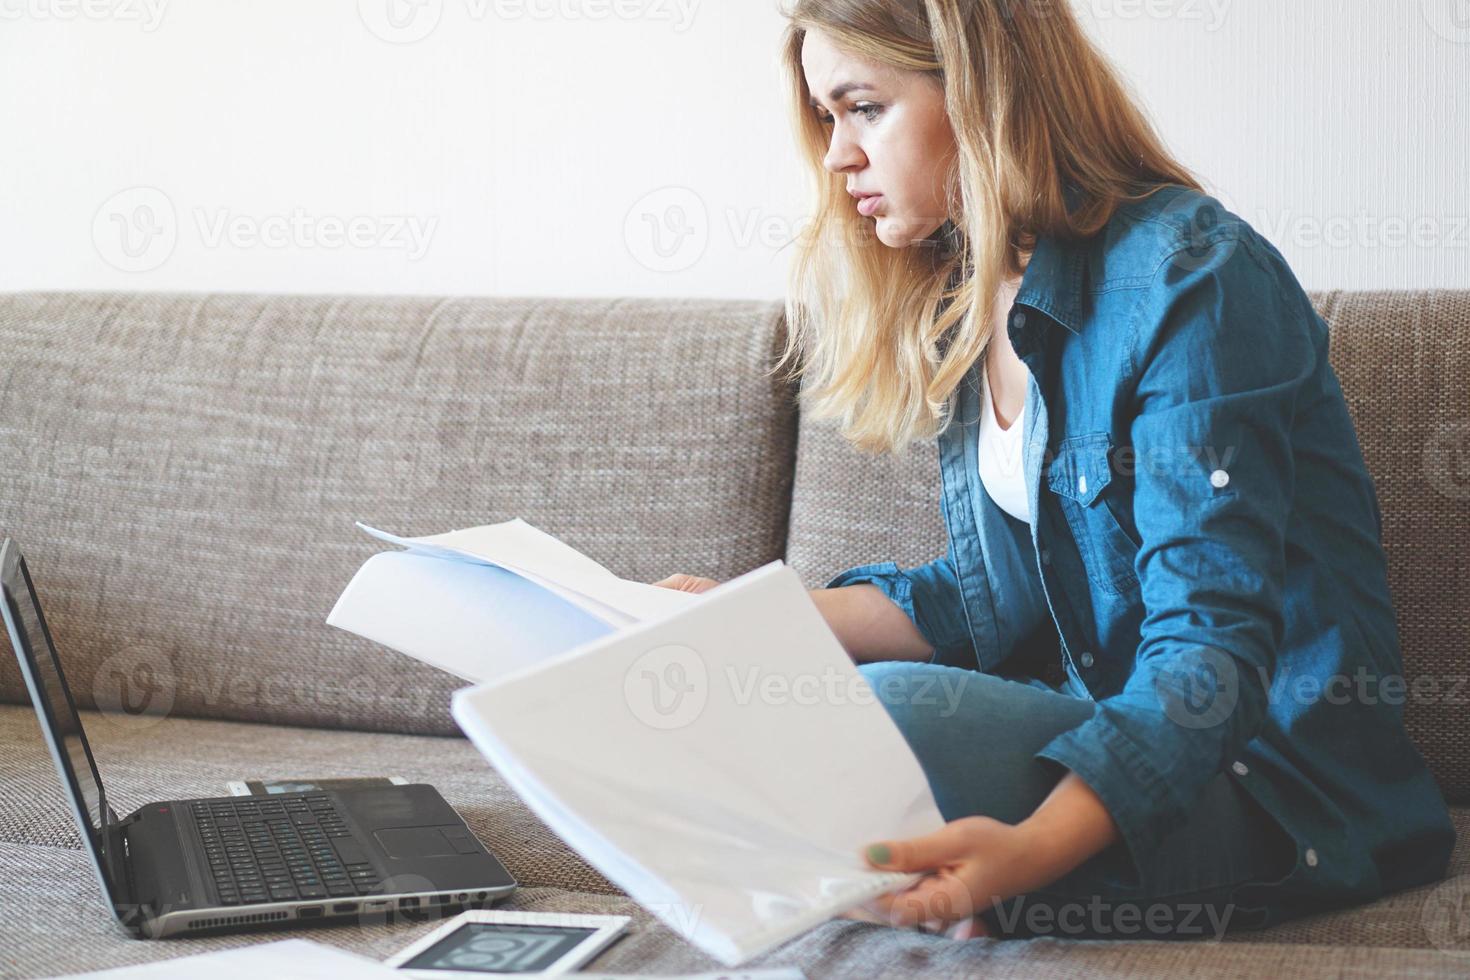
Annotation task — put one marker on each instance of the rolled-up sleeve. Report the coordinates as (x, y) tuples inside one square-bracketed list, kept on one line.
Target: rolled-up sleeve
[(1221, 355), (929, 595)]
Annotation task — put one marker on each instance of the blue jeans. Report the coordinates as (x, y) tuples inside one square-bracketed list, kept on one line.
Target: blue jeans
[(974, 735)]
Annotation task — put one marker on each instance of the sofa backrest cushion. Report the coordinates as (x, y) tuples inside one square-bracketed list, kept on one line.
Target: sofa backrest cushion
[(1403, 360), (183, 472)]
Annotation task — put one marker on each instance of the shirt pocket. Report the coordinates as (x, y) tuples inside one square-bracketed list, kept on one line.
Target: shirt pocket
[(1082, 477)]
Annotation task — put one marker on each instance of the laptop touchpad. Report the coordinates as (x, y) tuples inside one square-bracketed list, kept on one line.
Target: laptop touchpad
[(414, 842)]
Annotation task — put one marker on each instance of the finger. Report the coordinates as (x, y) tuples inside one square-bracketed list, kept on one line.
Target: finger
[(687, 583), (948, 844), (941, 898)]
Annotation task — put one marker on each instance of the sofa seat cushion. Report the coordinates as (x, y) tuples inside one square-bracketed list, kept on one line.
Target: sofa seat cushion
[(54, 924), (50, 900)]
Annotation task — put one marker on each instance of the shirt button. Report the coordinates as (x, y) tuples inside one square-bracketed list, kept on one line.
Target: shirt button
[(1018, 320), (1046, 556), (1311, 857), (1082, 484), (1086, 658), (1240, 768), (1219, 478)]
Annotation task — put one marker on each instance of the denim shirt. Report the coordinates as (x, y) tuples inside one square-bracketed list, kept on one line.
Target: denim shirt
[(1205, 538)]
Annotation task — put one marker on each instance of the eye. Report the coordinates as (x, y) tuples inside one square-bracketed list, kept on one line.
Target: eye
[(868, 110)]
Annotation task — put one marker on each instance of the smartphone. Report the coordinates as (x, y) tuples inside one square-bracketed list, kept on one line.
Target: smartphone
[(486, 942)]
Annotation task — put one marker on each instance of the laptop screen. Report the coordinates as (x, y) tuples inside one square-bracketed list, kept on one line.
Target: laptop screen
[(55, 708)]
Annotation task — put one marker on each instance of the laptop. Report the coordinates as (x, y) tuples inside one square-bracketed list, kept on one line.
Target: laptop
[(238, 862)]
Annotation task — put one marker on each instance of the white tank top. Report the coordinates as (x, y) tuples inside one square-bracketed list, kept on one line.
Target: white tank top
[(1002, 469)]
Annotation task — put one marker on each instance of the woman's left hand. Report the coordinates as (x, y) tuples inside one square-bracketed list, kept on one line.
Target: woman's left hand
[(979, 862), (972, 863)]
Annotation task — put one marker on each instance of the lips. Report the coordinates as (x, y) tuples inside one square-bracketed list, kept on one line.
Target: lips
[(869, 204)]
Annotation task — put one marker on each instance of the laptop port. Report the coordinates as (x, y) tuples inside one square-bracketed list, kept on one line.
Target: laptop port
[(309, 912), (345, 907)]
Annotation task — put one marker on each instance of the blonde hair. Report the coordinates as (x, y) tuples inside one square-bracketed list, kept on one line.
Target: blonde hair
[(885, 336)]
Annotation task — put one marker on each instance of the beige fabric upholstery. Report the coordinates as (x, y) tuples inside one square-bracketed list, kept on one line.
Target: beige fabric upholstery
[(1403, 360), (57, 898), (146, 760), (183, 472)]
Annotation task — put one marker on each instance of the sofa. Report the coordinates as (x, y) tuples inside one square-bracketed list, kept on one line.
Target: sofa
[(183, 473)]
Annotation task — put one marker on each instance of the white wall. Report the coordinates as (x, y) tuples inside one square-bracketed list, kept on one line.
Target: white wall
[(1340, 129), (528, 147)]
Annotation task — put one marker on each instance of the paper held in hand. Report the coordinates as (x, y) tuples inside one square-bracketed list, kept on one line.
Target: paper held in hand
[(717, 756)]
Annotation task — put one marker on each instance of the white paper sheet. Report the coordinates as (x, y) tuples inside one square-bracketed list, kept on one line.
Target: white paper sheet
[(725, 765), (474, 620), (541, 558), (299, 959)]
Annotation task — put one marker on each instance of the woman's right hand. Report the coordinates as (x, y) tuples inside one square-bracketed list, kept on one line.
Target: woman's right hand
[(868, 624), (687, 583)]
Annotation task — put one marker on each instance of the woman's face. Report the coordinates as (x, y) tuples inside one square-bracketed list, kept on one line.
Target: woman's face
[(889, 136)]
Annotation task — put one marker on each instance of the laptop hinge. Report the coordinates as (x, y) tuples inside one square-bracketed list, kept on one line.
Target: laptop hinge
[(116, 853)]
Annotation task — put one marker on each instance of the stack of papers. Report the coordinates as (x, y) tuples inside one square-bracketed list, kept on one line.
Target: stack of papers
[(718, 757), (485, 600)]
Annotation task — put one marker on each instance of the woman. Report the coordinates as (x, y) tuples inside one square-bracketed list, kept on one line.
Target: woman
[(1145, 457)]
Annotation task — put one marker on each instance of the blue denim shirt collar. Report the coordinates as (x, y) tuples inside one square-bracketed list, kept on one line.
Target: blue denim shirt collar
[(1052, 282)]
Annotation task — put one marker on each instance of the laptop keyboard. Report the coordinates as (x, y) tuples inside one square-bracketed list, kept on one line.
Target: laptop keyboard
[(282, 850)]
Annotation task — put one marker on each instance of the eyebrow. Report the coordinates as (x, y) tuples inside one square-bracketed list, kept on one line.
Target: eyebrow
[(840, 91)]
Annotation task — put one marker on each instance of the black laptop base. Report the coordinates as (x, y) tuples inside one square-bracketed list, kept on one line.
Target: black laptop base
[(222, 863)]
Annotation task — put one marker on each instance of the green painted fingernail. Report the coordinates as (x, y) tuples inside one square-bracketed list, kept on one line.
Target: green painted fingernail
[(879, 854)]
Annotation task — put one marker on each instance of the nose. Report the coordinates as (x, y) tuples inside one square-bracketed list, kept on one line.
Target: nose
[(843, 154)]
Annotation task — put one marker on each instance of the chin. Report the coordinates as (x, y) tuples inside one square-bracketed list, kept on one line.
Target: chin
[(889, 232), (896, 233)]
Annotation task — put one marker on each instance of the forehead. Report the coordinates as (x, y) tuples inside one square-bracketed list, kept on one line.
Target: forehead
[(827, 65)]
